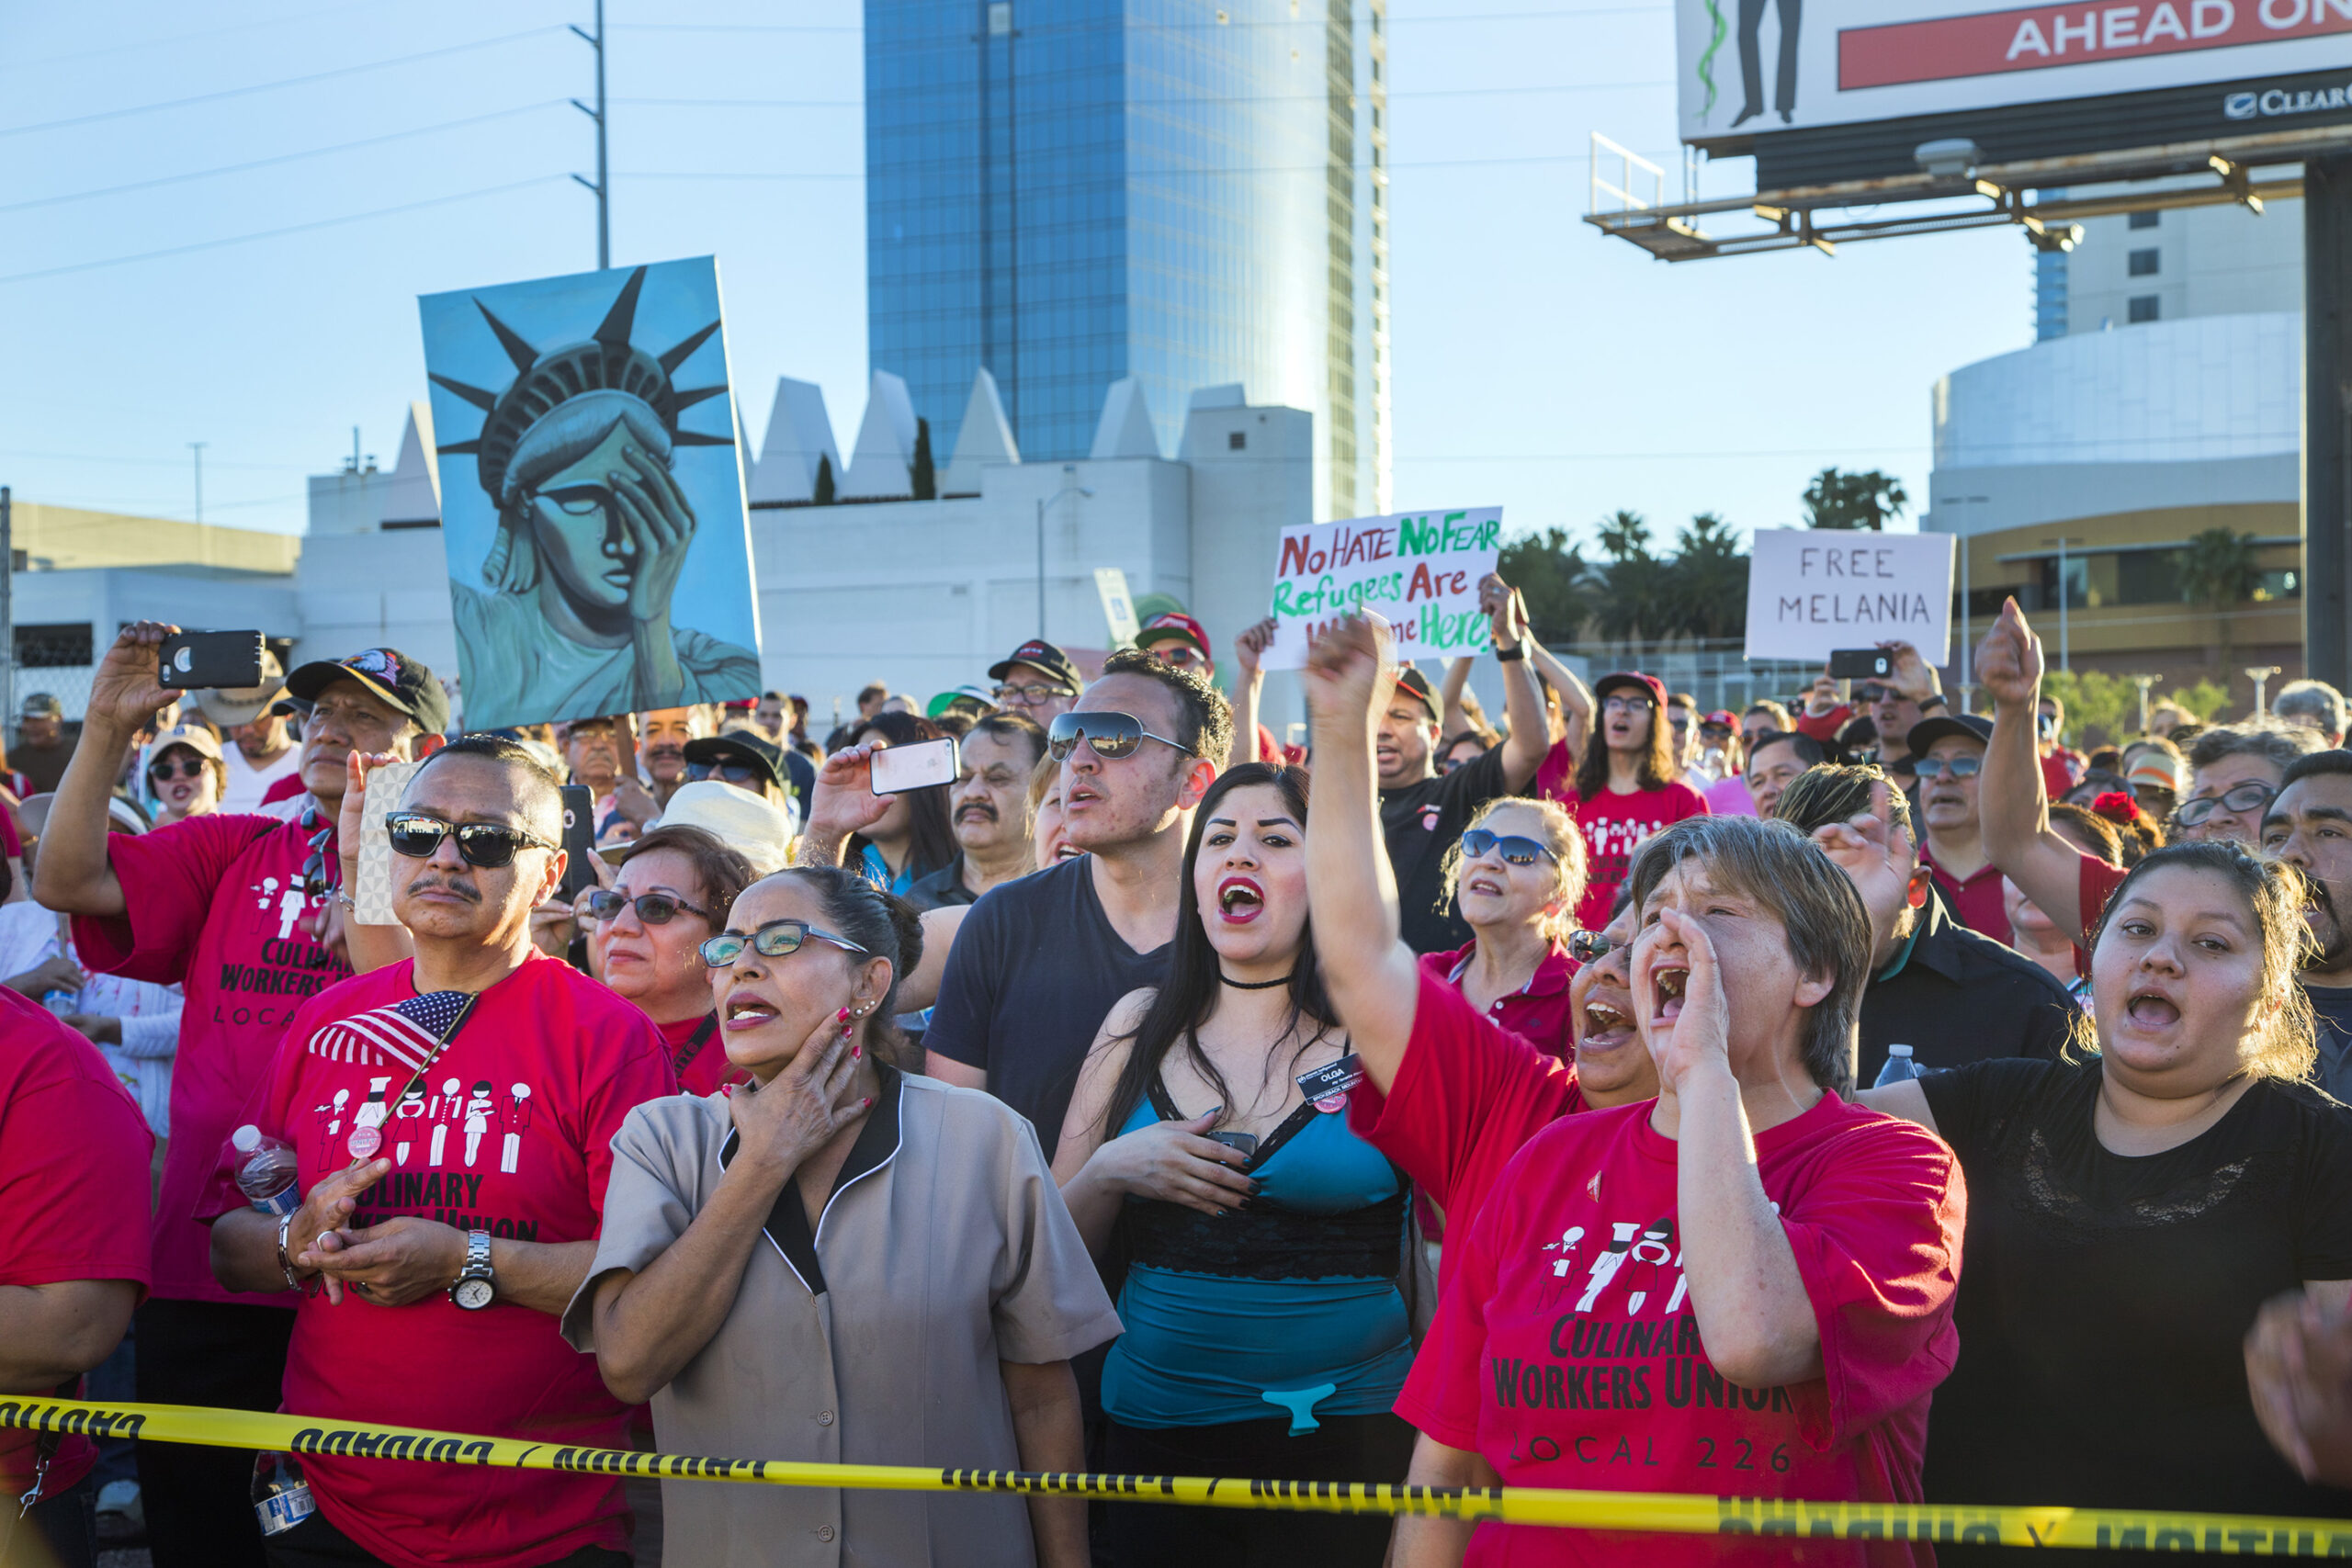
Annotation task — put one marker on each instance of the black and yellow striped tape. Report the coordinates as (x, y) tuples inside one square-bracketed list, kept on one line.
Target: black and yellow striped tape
[(2092, 1529)]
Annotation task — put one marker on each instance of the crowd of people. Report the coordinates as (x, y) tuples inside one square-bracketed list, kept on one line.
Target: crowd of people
[(1851, 1099)]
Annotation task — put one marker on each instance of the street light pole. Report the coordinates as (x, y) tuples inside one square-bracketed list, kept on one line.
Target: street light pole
[(604, 185), (2066, 661), (1067, 490), (198, 447), (2260, 675)]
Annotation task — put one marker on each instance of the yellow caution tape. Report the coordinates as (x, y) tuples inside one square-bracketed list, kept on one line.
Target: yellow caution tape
[(2120, 1529)]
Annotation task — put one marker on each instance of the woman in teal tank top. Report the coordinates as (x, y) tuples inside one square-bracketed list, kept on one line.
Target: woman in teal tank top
[(1267, 1327)]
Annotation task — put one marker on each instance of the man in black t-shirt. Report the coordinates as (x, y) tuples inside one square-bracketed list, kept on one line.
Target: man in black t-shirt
[(2308, 825), (1038, 963), (1423, 811)]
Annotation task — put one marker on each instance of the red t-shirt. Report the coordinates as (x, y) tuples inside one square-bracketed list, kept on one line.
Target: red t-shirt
[(1615, 826), (509, 1131), (701, 1065), (2060, 772), (286, 788), (1824, 728), (2099, 881), (1567, 1352), (216, 906), (1977, 901), (74, 1154), (1468, 1096), (1537, 1012)]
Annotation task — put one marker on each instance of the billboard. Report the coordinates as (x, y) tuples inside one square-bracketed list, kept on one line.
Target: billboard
[(1758, 71)]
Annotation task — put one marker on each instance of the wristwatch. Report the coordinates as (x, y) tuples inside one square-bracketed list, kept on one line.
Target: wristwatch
[(1512, 653), (1933, 700), (475, 1287)]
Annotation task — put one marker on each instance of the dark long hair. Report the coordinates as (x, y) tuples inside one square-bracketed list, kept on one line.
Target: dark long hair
[(1657, 767), (1195, 982), (934, 837)]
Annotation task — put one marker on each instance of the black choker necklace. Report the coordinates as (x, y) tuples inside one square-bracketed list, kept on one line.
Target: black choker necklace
[(1253, 985)]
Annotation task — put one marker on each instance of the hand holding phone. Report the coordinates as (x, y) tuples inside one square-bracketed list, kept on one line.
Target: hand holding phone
[(188, 661), (897, 769), (1860, 663)]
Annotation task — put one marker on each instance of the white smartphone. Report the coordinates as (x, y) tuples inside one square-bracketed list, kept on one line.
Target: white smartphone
[(897, 769)]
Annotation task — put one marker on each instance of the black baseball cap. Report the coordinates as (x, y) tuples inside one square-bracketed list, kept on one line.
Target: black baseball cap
[(1943, 727), (745, 749), (1409, 679), (391, 675), (1044, 658)]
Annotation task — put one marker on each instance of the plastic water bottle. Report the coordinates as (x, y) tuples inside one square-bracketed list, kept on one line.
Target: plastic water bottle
[(265, 1172), (61, 1001), (281, 1497), (1899, 1067)]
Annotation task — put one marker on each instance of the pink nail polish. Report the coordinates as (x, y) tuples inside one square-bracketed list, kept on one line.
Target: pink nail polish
[(855, 1052), (841, 1017)]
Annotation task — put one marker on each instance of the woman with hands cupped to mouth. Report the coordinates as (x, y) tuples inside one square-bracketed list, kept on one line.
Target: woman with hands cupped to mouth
[(1741, 1287), (842, 1261)]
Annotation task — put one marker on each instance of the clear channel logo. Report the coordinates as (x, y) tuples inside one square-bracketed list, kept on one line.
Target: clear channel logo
[(2274, 102)]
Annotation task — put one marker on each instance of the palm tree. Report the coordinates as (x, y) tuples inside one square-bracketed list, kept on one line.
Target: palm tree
[(2218, 571), (1550, 571), (1631, 606), (1865, 499), (1707, 588)]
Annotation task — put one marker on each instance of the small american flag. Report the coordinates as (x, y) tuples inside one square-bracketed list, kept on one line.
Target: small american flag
[(407, 1031)]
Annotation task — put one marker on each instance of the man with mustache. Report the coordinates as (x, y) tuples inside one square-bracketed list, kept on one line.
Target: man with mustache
[(2308, 825), (988, 809), (661, 738), (405, 1261)]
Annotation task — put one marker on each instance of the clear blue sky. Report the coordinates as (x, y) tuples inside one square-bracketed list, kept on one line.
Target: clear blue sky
[(1538, 364)]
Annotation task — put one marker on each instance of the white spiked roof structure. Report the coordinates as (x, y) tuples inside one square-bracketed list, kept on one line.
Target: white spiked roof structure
[(985, 437), (800, 434), (882, 467), (415, 494), (1125, 429)]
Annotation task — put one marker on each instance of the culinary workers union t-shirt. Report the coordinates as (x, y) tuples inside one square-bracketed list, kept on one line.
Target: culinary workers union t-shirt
[(1614, 826), (1567, 1349), (215, 906), (509, 1130)]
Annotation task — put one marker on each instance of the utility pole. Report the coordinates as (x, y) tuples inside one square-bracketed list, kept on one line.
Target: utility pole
[(604, 185), (2260, 675), (198, 447), (2144, 682), (2065, 595)]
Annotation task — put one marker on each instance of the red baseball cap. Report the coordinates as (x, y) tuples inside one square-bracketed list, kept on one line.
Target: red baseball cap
[(1174, 626), (1651, 685)]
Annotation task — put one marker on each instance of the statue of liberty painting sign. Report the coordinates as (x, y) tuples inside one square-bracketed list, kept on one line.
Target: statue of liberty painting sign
[(592, 503)]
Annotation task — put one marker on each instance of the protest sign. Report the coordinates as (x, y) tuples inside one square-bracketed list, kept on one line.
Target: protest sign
[(1813, 589), (1118, 604), (1419, 569), (600, 555)]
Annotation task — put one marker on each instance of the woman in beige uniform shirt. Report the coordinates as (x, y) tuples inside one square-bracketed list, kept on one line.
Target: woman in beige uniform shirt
[(841, 1262)]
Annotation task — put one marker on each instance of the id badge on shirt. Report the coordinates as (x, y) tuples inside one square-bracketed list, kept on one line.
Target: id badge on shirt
[(1327, 1084)]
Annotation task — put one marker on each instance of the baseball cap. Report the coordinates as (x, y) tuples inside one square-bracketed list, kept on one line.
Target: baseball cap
[(975, 700), (2156, 770), (1409, 679), (42, 704), (1719, 719), (392, 676), (229, 707), (195, 737), (1041, 656), (745, 747), (1174, 626), (758, 830), (1649, 684), (1943, 727)]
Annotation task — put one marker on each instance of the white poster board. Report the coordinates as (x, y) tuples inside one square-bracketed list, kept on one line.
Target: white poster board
[(1118, 604), (1419, 570), (1813, 589)]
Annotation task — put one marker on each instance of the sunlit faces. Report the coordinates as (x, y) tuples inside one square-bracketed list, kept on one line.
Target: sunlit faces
[(1249, 878), (1111, 802), (1754, 727), (770, 1007), (1611, 1063), (186, 781), (1947, 801), (1048, 842), (1770, 770), (1893, 716), (347, 718), (2176, 983), (2241, 818), (656, 966), (2310, 828), (1493, 894), (1684, 724), (1762, 987), (1626, 720), (443, 897), (661, 738), (988, 807), (1402, 743), (592, 753)]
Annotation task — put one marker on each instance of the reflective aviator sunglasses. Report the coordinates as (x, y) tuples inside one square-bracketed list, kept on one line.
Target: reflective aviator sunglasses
[(489, 845), (1111, 735), (1514, 849), (774, 940)]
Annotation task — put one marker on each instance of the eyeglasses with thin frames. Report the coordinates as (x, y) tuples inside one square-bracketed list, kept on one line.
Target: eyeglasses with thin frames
[(777, 939)]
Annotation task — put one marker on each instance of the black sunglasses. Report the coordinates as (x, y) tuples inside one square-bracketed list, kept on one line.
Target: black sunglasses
[(489, 845), (774, 940), (653, 908), (185, 768), (1111, 735), (1516, 850), (743, 774), (2251, 796)]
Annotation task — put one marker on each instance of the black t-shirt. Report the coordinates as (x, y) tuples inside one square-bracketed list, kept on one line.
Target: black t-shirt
[(1956, 996), (2334, 1008), (1035, 968), (941, 888), (1421, 822), (2104, 1298)]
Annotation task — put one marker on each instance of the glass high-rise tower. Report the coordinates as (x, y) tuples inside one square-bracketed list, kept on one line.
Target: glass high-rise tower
[(1067, 192)]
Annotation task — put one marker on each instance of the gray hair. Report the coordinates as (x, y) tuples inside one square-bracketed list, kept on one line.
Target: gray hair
[(2314, 700), (1822, 918), (2278, 744)]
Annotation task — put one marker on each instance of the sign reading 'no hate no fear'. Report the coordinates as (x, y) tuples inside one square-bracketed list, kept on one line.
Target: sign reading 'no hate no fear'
[(1812, 591), (1419, 569)]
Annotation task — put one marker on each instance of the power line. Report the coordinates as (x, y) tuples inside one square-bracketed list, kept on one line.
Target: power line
[(281, 158), (1184, 98), (175, 38), (147, 462), (276, 233), (271, 86), (1132, 178), (1057, 27)]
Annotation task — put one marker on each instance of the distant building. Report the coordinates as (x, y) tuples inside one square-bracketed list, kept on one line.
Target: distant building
[(1069, 195)]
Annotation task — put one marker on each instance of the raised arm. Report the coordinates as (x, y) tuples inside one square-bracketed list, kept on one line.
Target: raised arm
[(72, 874), (2012, 807), (1530, 729), (1249, 649), (843, 803), (1576, 697), (1372, 976), (1454, 715)]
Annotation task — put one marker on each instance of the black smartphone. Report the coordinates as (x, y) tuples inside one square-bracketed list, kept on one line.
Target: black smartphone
[(579, 841), (191, 662), (1243, 1144), (1860, 663)]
